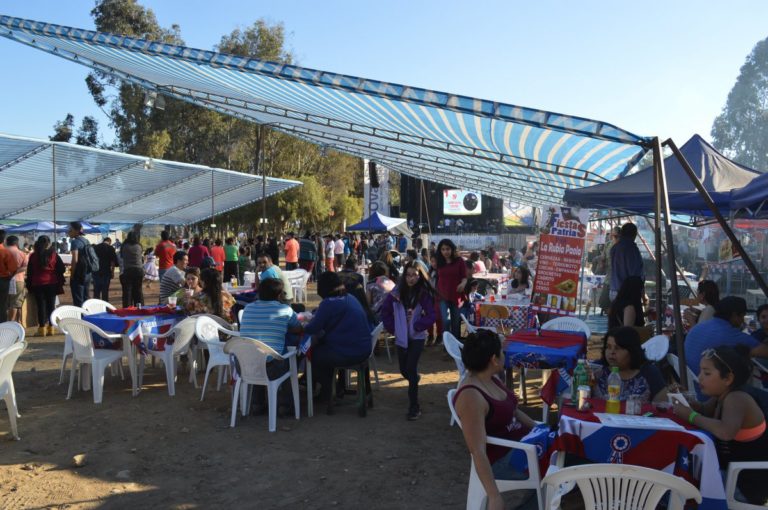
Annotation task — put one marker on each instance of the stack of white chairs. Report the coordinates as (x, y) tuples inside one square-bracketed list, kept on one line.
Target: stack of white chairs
[(8, 358)]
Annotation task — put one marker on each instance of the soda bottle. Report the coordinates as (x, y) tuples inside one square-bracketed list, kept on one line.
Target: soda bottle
[(613, 403), (580, 378)]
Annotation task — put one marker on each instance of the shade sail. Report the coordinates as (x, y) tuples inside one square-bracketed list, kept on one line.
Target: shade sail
[(379, 223), (38, 226), (512, 152), (110, 187), (634, 193)]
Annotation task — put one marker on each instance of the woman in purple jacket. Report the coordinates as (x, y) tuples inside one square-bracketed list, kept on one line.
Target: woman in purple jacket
[(408, 312)]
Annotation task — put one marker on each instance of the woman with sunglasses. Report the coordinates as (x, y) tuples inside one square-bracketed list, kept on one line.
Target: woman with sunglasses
[(734, 414), (408, 312)]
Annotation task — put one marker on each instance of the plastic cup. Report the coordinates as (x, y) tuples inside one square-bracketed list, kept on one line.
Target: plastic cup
[(172, 301), (584, 394), (189, 292)]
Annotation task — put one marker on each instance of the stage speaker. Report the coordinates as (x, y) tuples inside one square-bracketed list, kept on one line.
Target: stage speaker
[(373, 175)]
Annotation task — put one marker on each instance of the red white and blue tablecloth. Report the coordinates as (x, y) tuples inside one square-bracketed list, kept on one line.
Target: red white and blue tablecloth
[(544, 349), (689, 454), (112, 323), (520, 315)]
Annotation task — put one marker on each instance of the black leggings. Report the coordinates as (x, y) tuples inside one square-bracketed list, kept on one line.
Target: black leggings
[(45, 298), (409, 368), (131, 280)]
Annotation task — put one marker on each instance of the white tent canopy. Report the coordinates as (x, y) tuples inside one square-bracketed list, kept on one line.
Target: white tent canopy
[(100, 186)]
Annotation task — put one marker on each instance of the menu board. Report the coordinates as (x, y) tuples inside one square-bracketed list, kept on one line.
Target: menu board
[(561, 247)]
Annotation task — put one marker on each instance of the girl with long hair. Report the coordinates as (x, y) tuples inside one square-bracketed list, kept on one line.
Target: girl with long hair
[(451, 279), (212, 299), (521, 280), (408, 312)]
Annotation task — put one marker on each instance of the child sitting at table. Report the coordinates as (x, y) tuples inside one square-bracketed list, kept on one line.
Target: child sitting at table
[(622, 348), (734, 414), (469, 298), (521, 281)]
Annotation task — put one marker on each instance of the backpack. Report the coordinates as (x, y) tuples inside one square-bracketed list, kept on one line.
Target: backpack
[(90, 259)]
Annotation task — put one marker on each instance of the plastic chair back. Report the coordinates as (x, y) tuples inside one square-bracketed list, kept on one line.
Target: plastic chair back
[(619, 487), (251, 356), (656, 348), (375, 334), (92, 306), (8, 359), (488, 311), (215, 318), (66, 311), (80, 333), (453, 346), (11, 333), (567, 324), (734, 469), (470, 327), (451, 395), (183, 333), (693, 381)]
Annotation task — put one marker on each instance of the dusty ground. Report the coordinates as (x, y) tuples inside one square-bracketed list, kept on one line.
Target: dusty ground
[(162, 452)]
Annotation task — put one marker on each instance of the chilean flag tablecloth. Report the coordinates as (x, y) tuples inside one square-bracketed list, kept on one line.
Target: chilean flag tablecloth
[(689, 454), (129, 326)]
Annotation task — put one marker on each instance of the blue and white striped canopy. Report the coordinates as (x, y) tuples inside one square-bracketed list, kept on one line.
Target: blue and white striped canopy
[(111, 187), (516, 153)]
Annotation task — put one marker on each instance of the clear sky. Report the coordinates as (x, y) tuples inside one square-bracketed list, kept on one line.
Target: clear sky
[(654, 68)]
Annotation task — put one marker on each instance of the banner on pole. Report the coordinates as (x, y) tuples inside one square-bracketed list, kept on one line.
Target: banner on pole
[(375, 199), (561, 247)]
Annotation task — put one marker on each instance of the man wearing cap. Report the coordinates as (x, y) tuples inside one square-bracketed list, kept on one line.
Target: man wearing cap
[(723, 329)]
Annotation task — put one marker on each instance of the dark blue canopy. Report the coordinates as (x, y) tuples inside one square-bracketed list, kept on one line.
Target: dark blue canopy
[(379, 223), (752, 198), (634, 193)]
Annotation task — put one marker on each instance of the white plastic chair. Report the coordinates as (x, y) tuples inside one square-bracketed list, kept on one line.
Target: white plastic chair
[(734, 468), (182, 334), (298, 279), (693, 380), (251, 355), (454, 347), (71, 312), (567, 324), (469, 326), (656, 347), (476, 495), (92, 306), (84, 353), (618, 486), (207, 331), (8, 358), (372, 359), (11, 333)]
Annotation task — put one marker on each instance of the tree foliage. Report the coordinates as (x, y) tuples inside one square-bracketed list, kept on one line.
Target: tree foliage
[(741, 130), (188, 133), (62, 130)]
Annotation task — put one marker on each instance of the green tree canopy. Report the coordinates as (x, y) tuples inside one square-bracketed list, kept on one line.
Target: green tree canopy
[(741, 130)]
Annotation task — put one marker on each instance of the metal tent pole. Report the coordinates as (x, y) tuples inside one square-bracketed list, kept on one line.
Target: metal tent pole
[(660, 306), (53, 180), (718, 215), (663, 197)]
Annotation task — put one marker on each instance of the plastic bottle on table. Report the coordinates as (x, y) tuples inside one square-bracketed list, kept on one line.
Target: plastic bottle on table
[(580, 378), (613, 403)]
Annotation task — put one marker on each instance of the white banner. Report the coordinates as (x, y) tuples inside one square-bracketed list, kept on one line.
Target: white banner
[(376, 199)]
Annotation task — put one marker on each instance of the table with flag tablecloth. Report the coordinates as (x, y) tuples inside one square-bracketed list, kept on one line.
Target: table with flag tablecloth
[(685, 452), (520, 315), (130, 326)]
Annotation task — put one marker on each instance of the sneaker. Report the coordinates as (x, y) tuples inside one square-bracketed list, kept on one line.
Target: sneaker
[(413, 414)]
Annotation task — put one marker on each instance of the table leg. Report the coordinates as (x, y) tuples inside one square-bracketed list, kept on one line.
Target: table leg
[(310, 389), (130, 352)]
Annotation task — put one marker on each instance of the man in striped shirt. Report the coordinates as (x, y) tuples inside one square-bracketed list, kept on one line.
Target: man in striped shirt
[(173, 278), (269, 320), (276, 325)]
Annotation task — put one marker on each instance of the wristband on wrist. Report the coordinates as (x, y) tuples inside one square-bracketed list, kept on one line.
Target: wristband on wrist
[(692, 417)]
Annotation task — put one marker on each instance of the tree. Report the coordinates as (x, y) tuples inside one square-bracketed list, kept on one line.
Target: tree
[(741, 130), (63, 129), (88, 134)]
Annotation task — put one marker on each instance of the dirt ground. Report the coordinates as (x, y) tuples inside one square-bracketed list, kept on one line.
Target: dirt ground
[(177, 452)]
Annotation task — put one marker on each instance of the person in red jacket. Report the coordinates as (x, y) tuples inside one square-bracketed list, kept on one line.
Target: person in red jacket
[(164, 251), (45, 277), (451, 279)]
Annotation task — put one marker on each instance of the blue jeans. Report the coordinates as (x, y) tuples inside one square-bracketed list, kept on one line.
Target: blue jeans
[(454, 324), (80, 290)]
